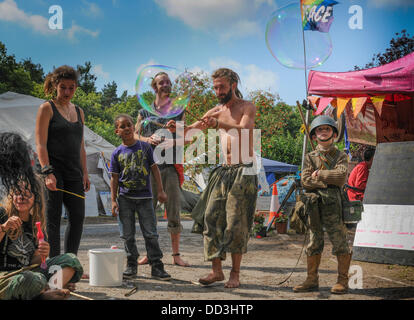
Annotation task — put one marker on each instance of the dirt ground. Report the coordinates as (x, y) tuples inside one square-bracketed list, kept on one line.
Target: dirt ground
[(268, 262)]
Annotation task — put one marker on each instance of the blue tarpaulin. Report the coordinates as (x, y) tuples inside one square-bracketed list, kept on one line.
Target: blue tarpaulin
[(272, 166)]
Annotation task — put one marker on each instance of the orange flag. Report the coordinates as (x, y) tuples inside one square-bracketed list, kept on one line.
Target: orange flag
[(342, 102), (313, 101), (357, 104), (378, 101)]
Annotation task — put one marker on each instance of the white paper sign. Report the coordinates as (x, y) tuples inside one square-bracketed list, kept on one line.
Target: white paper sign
[(386, 226)]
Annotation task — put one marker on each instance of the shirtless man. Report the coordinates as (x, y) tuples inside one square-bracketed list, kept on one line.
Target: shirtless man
[(226, 207)]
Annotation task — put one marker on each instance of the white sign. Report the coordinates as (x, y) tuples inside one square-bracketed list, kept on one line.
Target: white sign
[(386, 226)]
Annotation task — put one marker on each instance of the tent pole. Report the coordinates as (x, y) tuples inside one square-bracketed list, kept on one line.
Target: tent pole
[(305, 137)]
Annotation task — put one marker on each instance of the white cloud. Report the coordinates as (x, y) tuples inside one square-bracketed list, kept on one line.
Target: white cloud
[(91, 9), (98, 71), (391, 3), (225, 18), (10, 12), (75, 29)]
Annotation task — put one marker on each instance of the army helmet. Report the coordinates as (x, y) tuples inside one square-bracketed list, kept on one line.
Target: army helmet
[(323, 120)]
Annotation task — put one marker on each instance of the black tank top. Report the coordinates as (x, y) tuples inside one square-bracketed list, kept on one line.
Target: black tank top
[(64, 144)]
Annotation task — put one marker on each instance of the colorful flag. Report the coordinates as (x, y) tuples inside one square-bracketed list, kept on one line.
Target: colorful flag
[(317, 15)]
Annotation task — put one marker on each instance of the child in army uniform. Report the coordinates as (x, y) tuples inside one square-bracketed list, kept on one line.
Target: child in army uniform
[(323, 175)]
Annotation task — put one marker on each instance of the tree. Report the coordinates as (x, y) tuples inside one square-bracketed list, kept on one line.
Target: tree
[(109, 96), (86, 78), (400, 46), (35, 70), (13, 77)]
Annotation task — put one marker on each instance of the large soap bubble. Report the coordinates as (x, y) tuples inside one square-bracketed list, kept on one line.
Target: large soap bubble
[(285, 42), (168, 107)]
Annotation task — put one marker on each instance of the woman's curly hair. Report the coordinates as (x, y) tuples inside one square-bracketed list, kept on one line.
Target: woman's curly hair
[(16, 170)]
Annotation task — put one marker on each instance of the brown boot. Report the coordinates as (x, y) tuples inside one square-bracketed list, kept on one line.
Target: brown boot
[(341, 286), (312, 281)]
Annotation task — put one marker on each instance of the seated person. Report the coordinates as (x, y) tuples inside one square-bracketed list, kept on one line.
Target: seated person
[(358, 178), (19, 212)]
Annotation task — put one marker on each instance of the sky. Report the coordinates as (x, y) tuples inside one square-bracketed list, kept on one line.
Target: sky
[(120, 36)]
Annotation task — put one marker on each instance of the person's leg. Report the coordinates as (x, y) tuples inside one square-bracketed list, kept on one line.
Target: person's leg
[(215, 275), (148, 224), (53, 217), (172, 188), (144, 260), (234, 280), (126, 221), (240, 208), (75, 207), (63, 271), (338, 236), (23, 286)]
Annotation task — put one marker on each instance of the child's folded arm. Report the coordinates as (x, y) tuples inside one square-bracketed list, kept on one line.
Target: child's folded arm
[(308, 181), (336, 176)]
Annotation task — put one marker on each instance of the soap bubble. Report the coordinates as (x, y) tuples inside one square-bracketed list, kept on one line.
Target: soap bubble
[(151, 120), (285, 41), (181, 88)]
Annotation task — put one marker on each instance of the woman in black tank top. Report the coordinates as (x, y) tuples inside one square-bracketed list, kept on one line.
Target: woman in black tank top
[(61, 151)]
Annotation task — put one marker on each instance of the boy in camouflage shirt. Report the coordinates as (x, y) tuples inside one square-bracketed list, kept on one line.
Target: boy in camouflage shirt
[(323, 175)]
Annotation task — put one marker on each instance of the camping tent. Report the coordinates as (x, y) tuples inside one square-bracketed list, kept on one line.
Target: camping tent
[(274, 169), (378, 104), (18, 114)]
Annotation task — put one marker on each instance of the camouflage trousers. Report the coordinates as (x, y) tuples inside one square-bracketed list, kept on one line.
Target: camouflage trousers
[(27, 285), (326, 214), (225, 211)]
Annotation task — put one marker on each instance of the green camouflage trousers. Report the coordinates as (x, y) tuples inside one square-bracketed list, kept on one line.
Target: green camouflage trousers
[(29, 284), (225, 211), (326, 214)]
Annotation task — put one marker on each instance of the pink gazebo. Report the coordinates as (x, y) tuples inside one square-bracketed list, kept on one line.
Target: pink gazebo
[(378, 102)]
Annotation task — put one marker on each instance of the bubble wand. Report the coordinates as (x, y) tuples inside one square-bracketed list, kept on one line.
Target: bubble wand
[(41, 238)]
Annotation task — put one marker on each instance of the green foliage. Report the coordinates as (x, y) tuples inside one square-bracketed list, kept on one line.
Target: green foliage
[(86, 78)]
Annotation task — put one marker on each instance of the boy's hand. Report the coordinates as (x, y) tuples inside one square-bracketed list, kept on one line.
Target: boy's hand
[(115, 209), (162, 197), (315, 174)]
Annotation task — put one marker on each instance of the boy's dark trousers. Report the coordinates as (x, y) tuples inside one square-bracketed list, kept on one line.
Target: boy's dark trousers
[(148, 223)]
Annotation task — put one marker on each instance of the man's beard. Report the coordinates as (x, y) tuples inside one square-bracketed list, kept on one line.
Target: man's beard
[(226, 98)]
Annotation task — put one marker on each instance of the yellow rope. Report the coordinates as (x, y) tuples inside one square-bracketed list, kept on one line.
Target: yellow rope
[(78, 195)]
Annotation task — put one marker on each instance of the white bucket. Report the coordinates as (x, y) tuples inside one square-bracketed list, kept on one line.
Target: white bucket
[(106, 267)]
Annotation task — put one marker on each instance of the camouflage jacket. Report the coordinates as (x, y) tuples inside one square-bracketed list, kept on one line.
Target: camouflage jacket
[(332, 165)]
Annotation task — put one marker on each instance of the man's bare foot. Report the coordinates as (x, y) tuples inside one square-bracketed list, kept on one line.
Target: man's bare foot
[(234, 281), (180, 262), (55, 294), (143, 261), (211, 278)]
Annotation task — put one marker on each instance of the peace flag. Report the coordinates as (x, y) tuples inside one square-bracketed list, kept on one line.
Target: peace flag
[(317, 15)]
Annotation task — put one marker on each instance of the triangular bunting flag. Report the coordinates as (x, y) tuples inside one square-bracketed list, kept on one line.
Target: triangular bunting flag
[(342, 102), (357, 104), (378, 102), (313, 101), (323, 103)]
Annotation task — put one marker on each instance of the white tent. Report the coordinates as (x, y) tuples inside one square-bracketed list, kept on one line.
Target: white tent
[(18, 114)]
